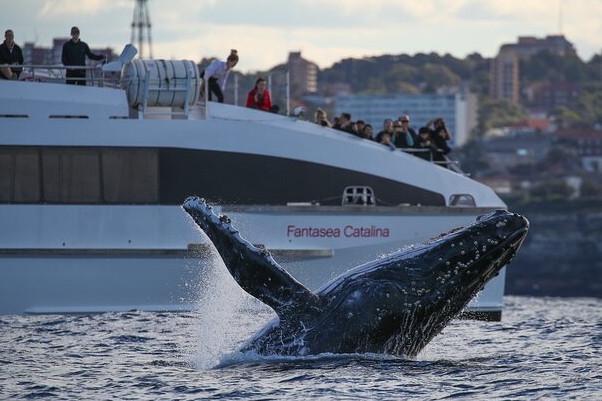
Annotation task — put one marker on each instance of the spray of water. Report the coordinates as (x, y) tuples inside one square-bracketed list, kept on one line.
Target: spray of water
[(221, 305)]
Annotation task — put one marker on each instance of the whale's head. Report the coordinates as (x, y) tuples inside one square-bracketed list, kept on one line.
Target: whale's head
[(408, 297)]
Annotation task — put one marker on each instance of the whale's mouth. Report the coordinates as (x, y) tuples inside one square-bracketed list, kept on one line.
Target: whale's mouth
[(502, 254), (515, 239)]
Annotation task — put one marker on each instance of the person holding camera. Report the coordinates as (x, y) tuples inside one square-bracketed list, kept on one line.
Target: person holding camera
[(259, 97), (439, 137), (321, 118), (425, 144), (404, 136)]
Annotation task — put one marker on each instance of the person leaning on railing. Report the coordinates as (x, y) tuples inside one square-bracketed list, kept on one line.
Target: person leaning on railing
[(10, 53), (216, 74)]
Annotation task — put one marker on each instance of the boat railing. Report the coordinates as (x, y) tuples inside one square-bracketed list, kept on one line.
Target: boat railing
[(147, 85), (56, 73), (453, 165)]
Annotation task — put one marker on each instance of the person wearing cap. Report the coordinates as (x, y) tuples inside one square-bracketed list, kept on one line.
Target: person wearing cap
[(74, 53), (10, 53)]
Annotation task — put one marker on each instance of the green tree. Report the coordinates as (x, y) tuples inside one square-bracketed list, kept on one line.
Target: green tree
[(438, 75), (498, 113)]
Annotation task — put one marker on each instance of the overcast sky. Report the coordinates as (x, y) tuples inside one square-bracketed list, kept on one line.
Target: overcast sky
[(325, 31)]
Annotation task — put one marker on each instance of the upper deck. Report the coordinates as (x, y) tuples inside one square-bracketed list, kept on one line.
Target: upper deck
[(160, 118)]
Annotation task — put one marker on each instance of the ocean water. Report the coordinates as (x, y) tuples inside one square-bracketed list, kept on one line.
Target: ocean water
[(544, 349)]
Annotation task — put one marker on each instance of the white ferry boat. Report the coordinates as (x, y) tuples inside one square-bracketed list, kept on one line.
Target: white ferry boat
[(92, 180)]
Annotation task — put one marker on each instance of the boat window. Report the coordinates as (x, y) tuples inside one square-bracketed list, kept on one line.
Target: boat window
[(14, 116), (19, 175), (77, 175), (130, 175), (69, 116), (71, 175), (462, 200)]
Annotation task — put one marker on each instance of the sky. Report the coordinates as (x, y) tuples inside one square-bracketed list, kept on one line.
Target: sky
[(324, 31)]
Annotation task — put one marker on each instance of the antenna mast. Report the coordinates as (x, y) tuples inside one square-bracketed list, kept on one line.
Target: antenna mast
[(141, 28), (560, 16)]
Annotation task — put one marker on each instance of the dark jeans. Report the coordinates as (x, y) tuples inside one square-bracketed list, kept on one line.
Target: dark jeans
[(214, 87), (81, 74)]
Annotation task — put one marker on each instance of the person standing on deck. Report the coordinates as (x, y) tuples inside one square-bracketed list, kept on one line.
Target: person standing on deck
[(74, 53), (439, 136)]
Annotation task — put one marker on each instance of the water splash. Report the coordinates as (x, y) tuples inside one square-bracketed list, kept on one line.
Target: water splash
[(220, 329)]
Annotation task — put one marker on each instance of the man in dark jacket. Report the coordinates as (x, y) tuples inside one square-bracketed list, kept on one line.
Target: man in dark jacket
[(10, 53), (74, 53)]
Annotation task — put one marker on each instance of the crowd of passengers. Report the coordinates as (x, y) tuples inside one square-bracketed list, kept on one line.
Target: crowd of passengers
[(429, 143)]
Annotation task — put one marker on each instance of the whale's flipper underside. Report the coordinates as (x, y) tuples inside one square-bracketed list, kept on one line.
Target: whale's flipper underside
[(253, 268)]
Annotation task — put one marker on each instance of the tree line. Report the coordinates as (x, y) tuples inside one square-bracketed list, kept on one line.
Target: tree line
[(428, 73)]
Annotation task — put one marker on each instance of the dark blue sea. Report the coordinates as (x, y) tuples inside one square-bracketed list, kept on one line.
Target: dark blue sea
[(543, 349)]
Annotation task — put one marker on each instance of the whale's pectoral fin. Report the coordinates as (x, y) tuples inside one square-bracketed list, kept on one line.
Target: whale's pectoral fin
[(252, 268)]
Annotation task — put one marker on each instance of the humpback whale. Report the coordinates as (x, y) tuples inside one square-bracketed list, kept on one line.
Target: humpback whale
[(393, 305)]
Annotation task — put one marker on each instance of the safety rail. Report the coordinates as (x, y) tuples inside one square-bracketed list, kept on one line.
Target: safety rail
[(56, 73), (149, 84)]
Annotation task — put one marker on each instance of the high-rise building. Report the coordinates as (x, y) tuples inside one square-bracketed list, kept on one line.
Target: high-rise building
[(505, 67), (303, 75)]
